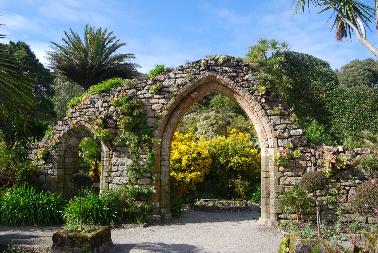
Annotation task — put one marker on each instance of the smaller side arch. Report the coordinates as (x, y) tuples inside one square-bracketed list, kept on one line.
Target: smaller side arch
[(67, 156)]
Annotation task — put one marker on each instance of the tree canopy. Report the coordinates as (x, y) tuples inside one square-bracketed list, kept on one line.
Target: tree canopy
[(359, 73), (24, 119), (91, 59), (349, 16)]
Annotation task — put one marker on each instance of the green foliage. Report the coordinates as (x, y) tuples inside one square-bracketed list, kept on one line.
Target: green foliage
[(155, 88), (102, 87), (359, 73), (91, 59), (368, 163), (365, 199), (256, 195), (315, 132), (25, 205), (240, 187), (25, 82), (223, 167), (109, 208), (309, 87), (15, 168), (90, 154), (314, 181), (296, 201), (177, 203), (267, 60), (64, 91), (213, 115), (157, 70), (353, 111)]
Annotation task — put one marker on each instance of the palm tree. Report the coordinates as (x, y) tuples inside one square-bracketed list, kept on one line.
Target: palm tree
[(349, 16), (91, 59), (13, 88)]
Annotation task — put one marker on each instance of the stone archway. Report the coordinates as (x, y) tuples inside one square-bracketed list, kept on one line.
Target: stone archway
[(165, 99), (68, 156), (195, 92)]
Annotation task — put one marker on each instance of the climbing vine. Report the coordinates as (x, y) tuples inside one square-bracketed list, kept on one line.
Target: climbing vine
[(137, 135)]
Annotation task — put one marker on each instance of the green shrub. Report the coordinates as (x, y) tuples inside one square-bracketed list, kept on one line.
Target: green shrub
[(315, 132), (296, 201), (256, 195), (314, 181), (157, 70), (368, 163), (309, 87), (365, 200), (240, 187), (109, 208), (15, 168), (177, 203), (25, 205)]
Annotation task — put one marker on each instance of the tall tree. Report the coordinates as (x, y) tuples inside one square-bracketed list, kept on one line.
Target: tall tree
[(359, 73), (13, 88), (91, 59), (64, 91), (20, 120), (349, 16)]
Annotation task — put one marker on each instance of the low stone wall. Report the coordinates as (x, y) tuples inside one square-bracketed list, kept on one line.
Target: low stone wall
[(335, 198)]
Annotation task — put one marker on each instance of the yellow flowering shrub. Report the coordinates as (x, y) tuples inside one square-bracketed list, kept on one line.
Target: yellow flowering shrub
[(190, 160), (234, 153), (222, 159)]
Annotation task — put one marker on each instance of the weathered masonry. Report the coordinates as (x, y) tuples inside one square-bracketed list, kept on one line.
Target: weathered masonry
[(166, 98)]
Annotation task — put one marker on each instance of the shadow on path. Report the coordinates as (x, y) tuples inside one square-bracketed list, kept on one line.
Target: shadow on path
[(156, 247), (192, 216)]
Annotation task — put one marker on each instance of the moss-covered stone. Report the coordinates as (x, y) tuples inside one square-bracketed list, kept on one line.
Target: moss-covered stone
[(76, 241)]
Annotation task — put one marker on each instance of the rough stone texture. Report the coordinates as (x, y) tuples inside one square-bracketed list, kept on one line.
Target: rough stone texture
[(180, 88), (344, 182), (77, 242)]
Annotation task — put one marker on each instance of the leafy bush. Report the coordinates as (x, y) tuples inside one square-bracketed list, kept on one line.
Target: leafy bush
[(25, 205), (240, 187), (296, 201), (368, 163), (15, 168), (309, 87), (111, 207), (102, 87), (313, 181), (256, 195), (365, 200), (190, 161), (315, 132), (223, 167), (234, 154), (157, 70)]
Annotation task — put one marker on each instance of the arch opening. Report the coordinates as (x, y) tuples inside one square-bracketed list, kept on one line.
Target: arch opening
[(70, 161), (193, 93)]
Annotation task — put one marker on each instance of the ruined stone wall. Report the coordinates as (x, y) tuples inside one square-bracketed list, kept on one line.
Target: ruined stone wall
[(343, 181), (166, 98)]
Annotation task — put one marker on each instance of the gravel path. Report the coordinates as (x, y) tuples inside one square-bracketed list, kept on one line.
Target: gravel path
[(194, 231)]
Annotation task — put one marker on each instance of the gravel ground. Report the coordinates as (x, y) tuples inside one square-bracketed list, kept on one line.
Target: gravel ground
[(194, 231)]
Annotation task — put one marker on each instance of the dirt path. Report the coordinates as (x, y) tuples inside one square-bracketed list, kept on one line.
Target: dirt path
[(194, 231)]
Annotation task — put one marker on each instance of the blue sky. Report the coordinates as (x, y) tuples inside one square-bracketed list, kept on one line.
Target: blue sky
[(173, 32)]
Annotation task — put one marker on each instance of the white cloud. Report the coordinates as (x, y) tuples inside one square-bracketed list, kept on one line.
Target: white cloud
[(40, 50), (92, 12)]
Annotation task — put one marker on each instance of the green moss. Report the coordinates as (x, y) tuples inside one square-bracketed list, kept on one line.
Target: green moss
[(159, 69), (155, 88), (102, 87)]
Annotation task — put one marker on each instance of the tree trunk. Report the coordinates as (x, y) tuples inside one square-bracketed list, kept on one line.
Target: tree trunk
[(317, 214)]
